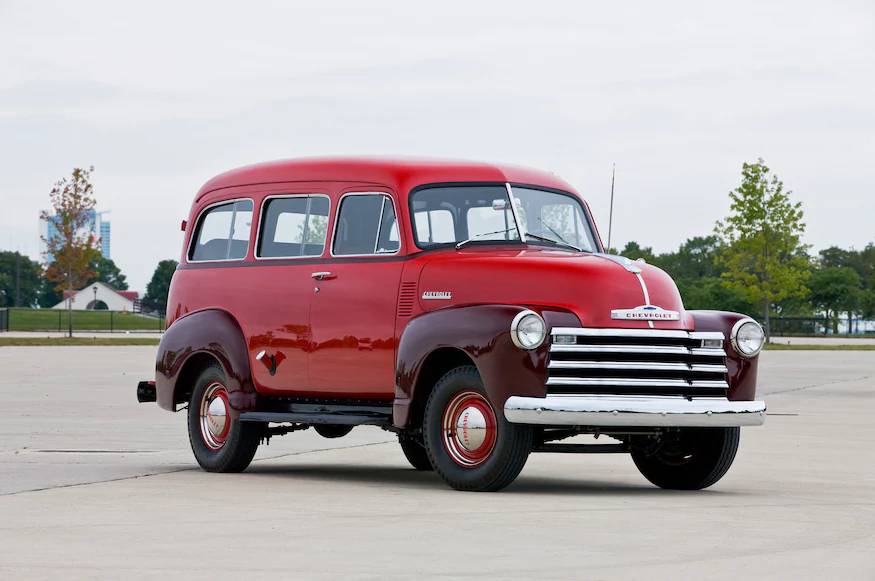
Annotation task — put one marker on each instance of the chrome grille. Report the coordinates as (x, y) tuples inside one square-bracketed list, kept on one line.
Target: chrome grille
[(636, 361)]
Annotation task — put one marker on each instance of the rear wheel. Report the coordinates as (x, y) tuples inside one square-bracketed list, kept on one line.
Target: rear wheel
[(414, 451), (220, 442), (689, 459), (470, 445)]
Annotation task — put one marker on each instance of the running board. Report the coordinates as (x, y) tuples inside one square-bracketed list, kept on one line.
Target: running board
[(335, 414)]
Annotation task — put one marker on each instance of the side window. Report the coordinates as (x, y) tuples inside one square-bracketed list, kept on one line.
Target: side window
[(294, 226), (435, 226), (366, 224), (222, 232)]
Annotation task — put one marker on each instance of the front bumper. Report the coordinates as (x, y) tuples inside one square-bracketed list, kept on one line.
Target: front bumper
[(645, 411)]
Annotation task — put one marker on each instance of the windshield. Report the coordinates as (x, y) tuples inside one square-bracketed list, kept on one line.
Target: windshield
[(448, 215)]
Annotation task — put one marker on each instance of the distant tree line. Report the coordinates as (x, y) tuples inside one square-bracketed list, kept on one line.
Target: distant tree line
[(76, 261), (754, 262), (23, 282), (840, 282)]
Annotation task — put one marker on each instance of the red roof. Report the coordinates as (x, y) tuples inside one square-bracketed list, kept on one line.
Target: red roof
[(401, 173)]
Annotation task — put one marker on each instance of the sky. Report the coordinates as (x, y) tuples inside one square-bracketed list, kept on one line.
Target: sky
[(159, 97)]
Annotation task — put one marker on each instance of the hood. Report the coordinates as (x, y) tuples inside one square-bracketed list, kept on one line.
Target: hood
[(588, 285)]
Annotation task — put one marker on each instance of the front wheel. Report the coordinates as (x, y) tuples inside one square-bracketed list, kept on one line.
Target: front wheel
[(470, 445), (219, 442), (689, 459)]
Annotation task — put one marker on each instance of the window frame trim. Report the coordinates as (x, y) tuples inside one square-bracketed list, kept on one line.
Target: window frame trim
[(261, 217), (455, 184), (196, 231), (334, 230)]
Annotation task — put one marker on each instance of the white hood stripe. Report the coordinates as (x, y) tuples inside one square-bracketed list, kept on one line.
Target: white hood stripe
[(646, 294)]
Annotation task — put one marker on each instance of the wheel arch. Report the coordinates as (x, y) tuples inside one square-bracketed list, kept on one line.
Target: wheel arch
[(436, 365), (198, 339), (191, 369), (476, 335)]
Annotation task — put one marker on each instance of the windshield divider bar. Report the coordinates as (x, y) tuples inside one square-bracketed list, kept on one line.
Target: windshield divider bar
[(516, 218)]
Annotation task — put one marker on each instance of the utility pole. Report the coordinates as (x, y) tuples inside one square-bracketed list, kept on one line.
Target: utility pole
[(69, 302), (18, 279), (611, 212)]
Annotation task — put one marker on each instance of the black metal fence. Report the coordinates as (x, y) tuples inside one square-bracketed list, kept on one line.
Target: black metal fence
[(813, 326), (60, 320)]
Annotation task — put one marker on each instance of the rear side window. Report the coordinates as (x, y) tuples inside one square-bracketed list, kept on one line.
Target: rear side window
[(222, 232), (366, 224), (293, 226)]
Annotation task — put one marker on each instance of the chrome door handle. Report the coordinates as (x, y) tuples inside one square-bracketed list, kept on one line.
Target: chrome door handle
[(323, 275)]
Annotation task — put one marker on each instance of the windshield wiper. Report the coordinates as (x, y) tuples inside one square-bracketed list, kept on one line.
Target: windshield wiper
[(555, 242), (481, 235)]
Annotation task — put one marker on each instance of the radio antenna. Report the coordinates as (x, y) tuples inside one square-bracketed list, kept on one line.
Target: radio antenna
[(611, 212)]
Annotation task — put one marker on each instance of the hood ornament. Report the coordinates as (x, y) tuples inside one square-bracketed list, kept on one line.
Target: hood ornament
[(645, 313)]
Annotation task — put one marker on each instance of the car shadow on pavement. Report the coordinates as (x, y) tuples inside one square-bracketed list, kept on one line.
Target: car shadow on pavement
[(363, 474), (590, 487), (410, 478)]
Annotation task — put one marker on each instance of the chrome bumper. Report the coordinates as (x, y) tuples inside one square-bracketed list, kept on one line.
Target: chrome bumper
[(649, 411)]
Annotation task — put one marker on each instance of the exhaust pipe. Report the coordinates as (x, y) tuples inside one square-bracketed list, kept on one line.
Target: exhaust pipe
[(146, 392)]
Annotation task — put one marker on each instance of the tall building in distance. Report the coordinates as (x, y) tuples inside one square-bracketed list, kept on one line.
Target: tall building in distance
[(105, 230), (98, 225)]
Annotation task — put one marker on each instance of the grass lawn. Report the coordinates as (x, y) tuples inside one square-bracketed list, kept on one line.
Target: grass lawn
[(75, 341), (819, 347), (56, 320)]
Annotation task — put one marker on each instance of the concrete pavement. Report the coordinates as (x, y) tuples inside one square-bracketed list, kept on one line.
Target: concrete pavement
[(94, 485)]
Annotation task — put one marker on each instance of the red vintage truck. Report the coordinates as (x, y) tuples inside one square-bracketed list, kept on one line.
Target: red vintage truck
[(469, 308)]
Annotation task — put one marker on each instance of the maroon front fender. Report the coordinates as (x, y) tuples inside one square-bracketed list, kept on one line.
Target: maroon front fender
[(214, 333), (742, 371), (482, 332)]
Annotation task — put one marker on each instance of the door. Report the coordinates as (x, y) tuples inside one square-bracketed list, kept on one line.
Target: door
[(354, 301), (290, 245)]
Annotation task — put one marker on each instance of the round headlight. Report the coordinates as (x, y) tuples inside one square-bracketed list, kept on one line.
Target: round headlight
[(528, 330), (747, 337)]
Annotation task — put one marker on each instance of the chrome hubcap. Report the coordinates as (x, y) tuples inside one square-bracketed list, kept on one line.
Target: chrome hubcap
[(469, 429), (215, 416)]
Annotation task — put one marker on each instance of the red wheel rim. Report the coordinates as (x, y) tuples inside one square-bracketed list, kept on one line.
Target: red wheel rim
[(469, 429), (215, 416)]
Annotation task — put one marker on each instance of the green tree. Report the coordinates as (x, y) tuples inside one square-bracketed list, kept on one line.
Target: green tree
[(836, 290), (74, 249), (159, 286), (763, 253), (634, 251), (695, 259), (20, 280), (105, 270), (867, 303), (49, 295)]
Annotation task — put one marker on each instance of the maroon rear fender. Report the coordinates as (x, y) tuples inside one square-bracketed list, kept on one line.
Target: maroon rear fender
[(189, 343), (478, 334), (742, 371)]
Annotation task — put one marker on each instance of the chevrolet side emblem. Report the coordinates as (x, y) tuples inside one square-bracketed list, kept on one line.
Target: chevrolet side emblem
[(437, 296)]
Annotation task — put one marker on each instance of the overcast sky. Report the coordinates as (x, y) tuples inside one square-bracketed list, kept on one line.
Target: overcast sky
[(161, 96)]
